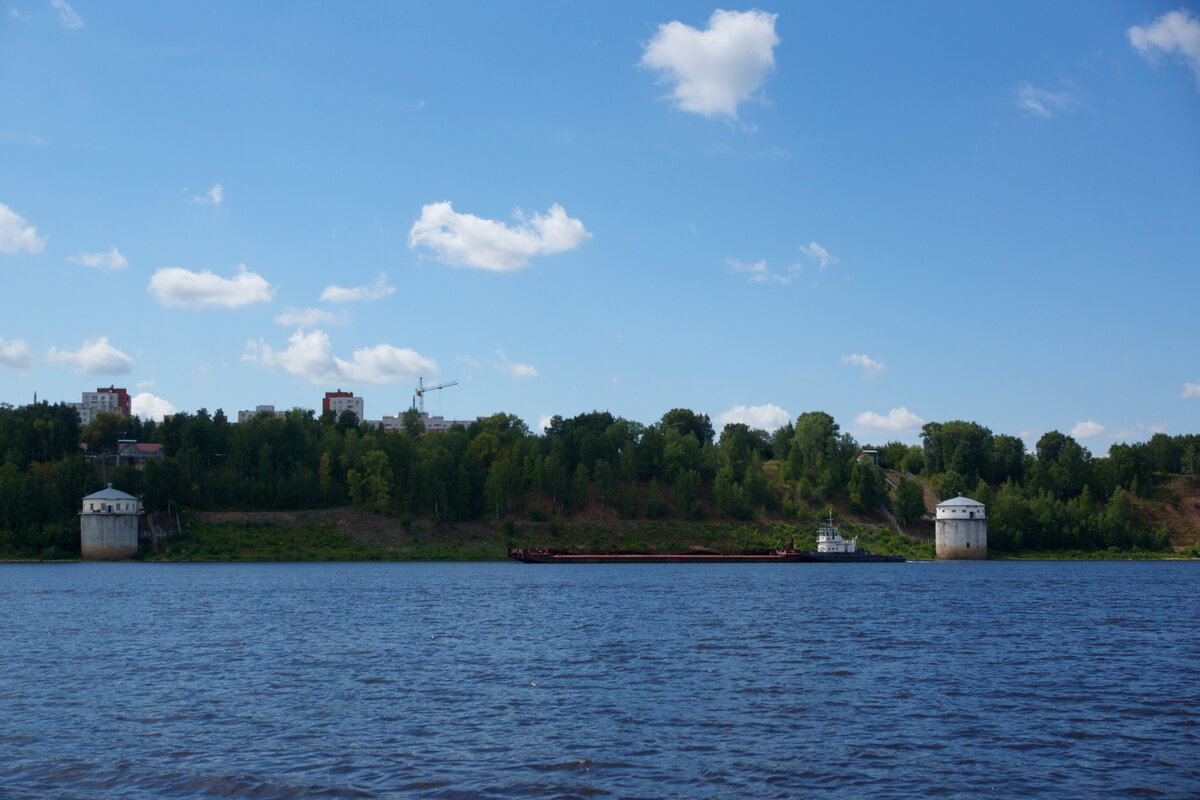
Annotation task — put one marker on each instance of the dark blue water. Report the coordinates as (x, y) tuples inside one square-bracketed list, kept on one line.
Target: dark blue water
[(685, 681)]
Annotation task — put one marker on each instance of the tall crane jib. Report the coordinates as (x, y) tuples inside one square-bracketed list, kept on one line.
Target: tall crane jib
[(419, 395)]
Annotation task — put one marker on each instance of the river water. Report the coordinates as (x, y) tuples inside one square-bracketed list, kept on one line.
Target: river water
[(926, 679)]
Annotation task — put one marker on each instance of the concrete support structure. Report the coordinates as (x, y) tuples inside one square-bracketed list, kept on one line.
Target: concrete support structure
[(108, 525), (961, 529)]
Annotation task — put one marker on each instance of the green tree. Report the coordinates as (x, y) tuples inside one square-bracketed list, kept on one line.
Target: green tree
[(605, 477), (102, 433), (910, 500), (376, 477), (1008, 459), (757, 487), (914, 461), (558, 481), (655, 507), (347, 421), (687, 494), (414, 426), (579, 486), (685, 421), (865, 486), (325, 474), (891, 455), (812, 442), (949, 484)]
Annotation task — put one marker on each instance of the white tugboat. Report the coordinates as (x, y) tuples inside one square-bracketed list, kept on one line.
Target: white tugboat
[(829, 539), (832, 547)]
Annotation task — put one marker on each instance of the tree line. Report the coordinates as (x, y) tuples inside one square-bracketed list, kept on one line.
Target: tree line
[(592, 464), (1057, 497)]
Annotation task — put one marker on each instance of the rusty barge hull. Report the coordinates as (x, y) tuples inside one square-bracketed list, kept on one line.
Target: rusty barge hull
[(796, 557)]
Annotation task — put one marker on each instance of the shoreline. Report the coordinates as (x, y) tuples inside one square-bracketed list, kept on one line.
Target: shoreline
[(3, 561)]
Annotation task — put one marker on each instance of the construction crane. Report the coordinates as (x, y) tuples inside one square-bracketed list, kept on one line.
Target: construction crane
[(419, 397)]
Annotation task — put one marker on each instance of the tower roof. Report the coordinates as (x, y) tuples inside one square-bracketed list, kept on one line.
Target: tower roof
[(958, 501), (110, 494)]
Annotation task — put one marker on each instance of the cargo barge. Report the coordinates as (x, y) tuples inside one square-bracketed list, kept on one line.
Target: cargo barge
[(831, 549), (530, 555)]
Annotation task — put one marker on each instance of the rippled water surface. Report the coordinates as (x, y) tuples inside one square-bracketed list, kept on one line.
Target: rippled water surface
[(505, 680)]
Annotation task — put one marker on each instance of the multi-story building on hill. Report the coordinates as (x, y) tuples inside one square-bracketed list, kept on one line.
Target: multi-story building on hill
[(246, 416), (431, 424), (340, 401), (111, 400)]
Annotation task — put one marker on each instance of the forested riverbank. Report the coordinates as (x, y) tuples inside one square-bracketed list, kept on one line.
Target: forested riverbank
[(594, 478)]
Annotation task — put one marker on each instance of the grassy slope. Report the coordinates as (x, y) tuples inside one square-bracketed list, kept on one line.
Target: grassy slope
[(354, 534)]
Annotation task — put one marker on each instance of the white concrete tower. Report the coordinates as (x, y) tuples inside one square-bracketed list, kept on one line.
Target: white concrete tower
[(108, 525), (961, 529)]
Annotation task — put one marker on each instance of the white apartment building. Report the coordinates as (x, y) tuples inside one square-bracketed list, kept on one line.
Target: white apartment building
[(340, 401), (111, 400), (246, 416), (431, 424)]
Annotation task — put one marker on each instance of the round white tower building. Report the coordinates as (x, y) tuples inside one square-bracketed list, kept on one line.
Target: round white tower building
[(961, 529)]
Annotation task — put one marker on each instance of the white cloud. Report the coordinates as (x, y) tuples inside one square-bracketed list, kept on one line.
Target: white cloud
[(310, 355), (309, 318), (110, 260), (467, 240), (470, 362), (519, 371), (818, 254), (213, 197), (148, 406), (94, 357), (870, 366), (1176, 32), (67, 16), (1191, 390), (17, 354), (757, 271), (1088, 430), (1044, 102), (898, 419), (15, 235), (181, 288), (544, 422), (715, 69), (337, 294), (769, 417)]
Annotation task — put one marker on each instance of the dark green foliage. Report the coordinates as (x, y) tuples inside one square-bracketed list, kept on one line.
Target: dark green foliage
[(39, 432), (965, 448), (685, 421), (866, 487), (910, 500), (914, 461), (820, 455), (593, 464)]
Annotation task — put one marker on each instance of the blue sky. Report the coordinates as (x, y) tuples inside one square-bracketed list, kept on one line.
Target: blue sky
[(895, 213)]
